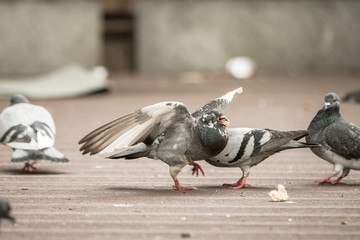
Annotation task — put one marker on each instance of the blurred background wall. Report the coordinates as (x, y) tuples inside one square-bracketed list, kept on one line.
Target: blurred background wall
[(280, 35), (37, 36)]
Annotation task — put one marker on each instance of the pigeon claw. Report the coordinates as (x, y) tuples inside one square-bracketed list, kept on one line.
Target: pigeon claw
[(239, 184), (180, 188), (328, 181), (196, 169), (28, 167), (338, 181)]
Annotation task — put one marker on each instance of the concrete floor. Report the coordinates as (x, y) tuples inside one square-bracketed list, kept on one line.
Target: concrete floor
[(97, 198)]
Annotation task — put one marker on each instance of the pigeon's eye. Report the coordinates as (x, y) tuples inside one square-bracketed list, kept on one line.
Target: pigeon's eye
[(223, 120), (334, 100)]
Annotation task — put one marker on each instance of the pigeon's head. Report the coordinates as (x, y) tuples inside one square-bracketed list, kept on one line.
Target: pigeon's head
[(5, 210), (331, 100), (214, 118), (212, 132), (18, 98)]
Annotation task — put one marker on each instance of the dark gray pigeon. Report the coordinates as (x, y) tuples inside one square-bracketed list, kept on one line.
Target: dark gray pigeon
[(165, 131), (217, 104), (5, 211), (30, 131), (352, 97), (248, 147), (339, 139)]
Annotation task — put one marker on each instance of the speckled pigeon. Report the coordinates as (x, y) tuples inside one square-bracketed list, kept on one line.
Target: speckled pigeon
[(165, 131), (248, 147), (30, 130), (217, 104), (5, 211), (339, 139)]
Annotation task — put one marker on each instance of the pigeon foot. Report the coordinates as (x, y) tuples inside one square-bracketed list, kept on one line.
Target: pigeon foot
[(180, 188), (324, 181), (196, 169), (328, 181), (28, 167), (338, 181), (239, 184)]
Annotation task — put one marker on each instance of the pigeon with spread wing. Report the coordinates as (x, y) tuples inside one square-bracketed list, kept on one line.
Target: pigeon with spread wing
[(165, 131)]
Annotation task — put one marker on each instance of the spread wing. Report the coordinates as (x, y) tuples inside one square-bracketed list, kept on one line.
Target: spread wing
[(143, 125), (217, 104), (344, 139)]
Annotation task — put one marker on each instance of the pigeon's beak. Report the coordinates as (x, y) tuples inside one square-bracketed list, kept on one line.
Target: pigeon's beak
[(224, 121), (326, 105)]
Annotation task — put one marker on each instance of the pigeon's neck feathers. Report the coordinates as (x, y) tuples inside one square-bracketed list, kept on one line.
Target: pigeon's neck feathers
[(326, 116), (213, 137)]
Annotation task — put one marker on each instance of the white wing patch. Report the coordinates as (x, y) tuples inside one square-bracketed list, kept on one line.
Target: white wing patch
[(230, 95), (143, 125), (241, 145), (236, 137), (265, 138), (128, 137), (249, 148)]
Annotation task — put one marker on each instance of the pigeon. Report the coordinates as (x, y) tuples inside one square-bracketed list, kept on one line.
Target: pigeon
[(5, 211), (248, 147), (352, 97), (165, 131), (339, 139), (30, 130)]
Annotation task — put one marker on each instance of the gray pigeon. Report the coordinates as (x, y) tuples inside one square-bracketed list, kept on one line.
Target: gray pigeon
[(5, 211), (248, 147), (217, 104), (352, 97), (165, 131), (339, 139), (30, 131)]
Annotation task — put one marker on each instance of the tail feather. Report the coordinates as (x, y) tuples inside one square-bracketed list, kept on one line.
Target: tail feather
[(138, 151), (49, 154), (297, 144)]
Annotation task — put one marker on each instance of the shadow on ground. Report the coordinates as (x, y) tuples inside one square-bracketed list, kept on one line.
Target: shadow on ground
[(17, 171)]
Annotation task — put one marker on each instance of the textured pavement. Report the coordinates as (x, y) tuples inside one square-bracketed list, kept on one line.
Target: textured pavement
[(97, 198)]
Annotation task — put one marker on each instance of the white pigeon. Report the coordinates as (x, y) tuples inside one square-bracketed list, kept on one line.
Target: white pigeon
[(30, 131)]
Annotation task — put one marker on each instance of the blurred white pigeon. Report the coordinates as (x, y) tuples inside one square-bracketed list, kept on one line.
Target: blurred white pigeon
[(30, 131)]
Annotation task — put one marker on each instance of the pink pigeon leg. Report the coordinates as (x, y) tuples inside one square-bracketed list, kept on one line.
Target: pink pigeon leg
[(338, 181), (240, 183), (28, 167), (196, 169), (327, 179)]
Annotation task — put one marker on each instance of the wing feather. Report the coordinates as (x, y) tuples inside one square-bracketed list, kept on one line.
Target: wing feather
[(344, 139), (143, 125), (217, 104)]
